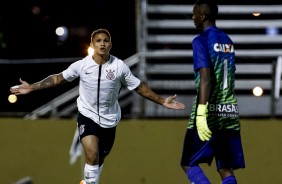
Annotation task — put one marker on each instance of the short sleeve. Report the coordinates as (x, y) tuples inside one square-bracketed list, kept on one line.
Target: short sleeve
[(72, 72), (201, 57), (128, 79)]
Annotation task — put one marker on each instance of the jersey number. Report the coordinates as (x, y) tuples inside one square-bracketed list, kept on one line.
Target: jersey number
[(225, 73)]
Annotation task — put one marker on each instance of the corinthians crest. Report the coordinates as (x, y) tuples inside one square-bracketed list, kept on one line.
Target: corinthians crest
[(110, 74), (81, 129)]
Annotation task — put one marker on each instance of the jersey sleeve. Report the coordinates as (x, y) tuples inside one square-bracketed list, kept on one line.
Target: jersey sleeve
[(128, 79), (72, 72), (201, 56)]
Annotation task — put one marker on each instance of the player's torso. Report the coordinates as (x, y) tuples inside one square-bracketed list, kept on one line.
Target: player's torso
[(101, 83), (223, 109)]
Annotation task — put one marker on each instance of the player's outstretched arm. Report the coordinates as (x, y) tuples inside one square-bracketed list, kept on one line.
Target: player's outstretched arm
[(25, 87), (169, 102)]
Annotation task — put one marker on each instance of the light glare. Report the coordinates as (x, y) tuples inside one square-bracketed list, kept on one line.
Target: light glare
[(36, 10), (90, 51), (12, 98), (256, 14), (257, 91), (60, 31)]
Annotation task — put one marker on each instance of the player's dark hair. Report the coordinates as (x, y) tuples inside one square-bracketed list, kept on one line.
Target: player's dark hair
[(212, 6), (101, 30)]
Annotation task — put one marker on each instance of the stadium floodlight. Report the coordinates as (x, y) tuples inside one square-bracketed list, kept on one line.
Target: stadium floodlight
[(256, 14), (257, 91), (62, 33), (12, 98)]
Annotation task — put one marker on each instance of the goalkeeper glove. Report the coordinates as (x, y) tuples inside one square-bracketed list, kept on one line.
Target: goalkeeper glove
[(201, 123)]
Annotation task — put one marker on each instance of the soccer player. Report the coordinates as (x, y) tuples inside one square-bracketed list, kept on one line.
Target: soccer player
[(213, 129), (101, 78)]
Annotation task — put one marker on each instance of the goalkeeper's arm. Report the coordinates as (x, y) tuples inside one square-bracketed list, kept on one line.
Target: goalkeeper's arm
[(202, 109), (201, 123)]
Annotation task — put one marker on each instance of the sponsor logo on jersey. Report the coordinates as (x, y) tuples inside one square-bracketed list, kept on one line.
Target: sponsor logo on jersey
[(224, 110), (219, 47)]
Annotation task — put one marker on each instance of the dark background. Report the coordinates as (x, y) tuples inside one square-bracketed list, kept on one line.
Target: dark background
[(28, 35)]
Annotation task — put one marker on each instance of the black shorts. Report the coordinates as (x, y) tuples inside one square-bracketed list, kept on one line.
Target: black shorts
[(106, 136)]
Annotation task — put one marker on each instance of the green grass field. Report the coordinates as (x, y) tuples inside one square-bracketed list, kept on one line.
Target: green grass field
[(145, 152)]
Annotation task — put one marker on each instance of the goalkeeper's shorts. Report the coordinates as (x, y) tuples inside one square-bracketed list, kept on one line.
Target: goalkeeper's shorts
[(225, 146)]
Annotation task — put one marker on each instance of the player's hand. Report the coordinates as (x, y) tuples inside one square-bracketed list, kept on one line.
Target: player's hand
[(171, 103), (23, 88), (201, 123)]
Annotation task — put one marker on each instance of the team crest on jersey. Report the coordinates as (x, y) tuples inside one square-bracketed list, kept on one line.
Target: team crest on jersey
[(110, 74)]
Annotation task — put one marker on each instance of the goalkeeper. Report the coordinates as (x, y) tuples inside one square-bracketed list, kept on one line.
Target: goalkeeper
[(213, 129)]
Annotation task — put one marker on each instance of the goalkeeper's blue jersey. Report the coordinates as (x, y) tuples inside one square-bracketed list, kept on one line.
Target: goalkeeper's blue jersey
[(215, 50)]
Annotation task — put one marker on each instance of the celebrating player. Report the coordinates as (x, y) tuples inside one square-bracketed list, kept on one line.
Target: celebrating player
[(101, 78)]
